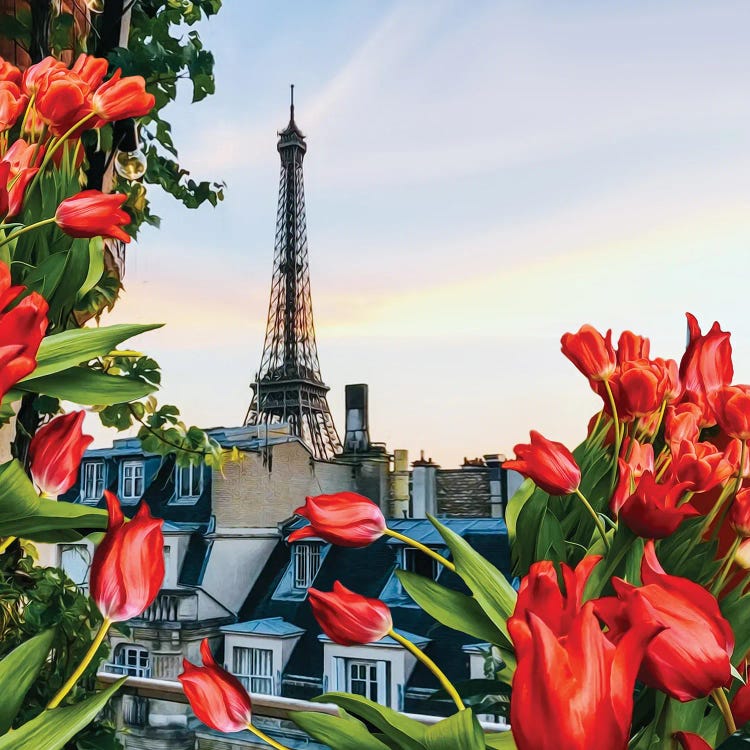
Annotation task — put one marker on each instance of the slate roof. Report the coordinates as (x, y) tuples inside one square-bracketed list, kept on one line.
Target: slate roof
[(268, 626)]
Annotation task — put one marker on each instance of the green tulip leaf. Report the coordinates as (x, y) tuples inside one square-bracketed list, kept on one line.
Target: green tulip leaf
[(342, 732), (24, 514), (18, 672), (51, 730), (451, 608), (84, 386), (500, 741), (407, 733), (70, 348), (490, 587), (458, 732)]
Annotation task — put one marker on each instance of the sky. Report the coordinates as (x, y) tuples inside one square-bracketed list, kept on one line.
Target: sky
[(480, 178)]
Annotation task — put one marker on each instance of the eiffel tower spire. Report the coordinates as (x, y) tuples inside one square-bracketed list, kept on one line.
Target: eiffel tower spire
[(288, 386)]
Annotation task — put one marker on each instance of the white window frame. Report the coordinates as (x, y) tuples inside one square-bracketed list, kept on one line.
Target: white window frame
[(307, 558), (141, 666), (85, 553), (258, 678), (98, 471), (137, 468), (377, 676), (179, 496)]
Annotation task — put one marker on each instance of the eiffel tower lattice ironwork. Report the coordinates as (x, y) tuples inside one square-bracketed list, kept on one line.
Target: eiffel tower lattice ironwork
[(288, 386)]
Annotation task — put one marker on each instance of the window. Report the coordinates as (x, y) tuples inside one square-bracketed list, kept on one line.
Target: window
[(306, 563), (366, 677), (75, 560), (416, 561), (131, 486), (130, 660), (189, 482), (254, 669), (93, 480)]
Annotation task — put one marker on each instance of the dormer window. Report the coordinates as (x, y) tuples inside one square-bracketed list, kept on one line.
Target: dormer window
[(188, 483), (131, 481), (307, 559), (416, 561), (93, 480)]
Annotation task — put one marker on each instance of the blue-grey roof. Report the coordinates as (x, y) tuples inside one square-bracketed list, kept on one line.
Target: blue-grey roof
[(183, 526), (418, 640), (274, 626)]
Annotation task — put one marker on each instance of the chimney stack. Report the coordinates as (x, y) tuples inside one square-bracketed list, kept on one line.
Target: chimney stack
[(423, 487), (357, 438), (400, 484)]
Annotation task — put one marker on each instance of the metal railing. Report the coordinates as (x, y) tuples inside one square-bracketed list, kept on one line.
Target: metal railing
[(270, 706), (130, 670)]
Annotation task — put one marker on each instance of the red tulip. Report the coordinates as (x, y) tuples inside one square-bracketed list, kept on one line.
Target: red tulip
[(8, 293), (348, 618), (640, 459), (682, 423), (739, 513), (590, 352), (691, 741), (731, 406), (701, 465), (706, 367), (630, 346), (12, 104), (641, 388), (548, 464), (691, 657), (574, 691), (62, 100), (55, 453), (652, 511), (217, 697), (92, 213), (540, 593), (91, 70), (128, 566), (9, 72), (21, 333), (37, 75), (740, 705), (18, 173), (120, 98), (345, 518), (742, 555)]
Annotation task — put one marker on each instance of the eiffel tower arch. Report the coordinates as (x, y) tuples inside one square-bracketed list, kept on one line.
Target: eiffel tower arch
[(288, 386)]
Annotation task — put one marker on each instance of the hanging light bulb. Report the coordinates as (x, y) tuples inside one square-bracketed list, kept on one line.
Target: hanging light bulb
[(95, 6), (130, 161)]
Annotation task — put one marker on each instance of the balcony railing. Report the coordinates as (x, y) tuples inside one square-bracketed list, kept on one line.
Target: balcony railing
[(172, 606), (130, 670), (268, 706)]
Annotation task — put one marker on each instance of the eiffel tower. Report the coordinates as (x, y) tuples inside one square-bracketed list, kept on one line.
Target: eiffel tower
[(288, 386)]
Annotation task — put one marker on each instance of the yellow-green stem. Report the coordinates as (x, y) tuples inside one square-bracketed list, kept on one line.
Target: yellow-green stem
[(421, 656), (720, 698), (6, 543), (664, 467), (595, 516), (263, 736), (81, 668), (618, 435), (418, 545), (25, 229), (725, 568)]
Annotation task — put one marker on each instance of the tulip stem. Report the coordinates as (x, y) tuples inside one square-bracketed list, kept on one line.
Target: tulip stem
[(81, 668), (595, 516), (263, 736), (720, 698), (25, 229), (6, 543), (725, 568), (413, 543), (422, 656), (618, 434)]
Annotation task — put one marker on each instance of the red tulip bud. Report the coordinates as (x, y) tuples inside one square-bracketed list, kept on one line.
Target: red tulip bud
[(128, 566), (548, 464), (55, 453), (217, 697), (590, 352), (691, 741), (92, 213), (348, 618)]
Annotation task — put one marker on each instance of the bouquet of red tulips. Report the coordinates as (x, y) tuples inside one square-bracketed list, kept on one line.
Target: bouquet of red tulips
[(631, 624)]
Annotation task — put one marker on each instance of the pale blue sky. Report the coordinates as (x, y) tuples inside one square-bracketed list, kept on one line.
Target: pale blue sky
[(480, 178)]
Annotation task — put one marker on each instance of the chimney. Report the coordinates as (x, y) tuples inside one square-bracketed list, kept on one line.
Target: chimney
[(423, 487), (498, 484), (400, 484), (357, 438)]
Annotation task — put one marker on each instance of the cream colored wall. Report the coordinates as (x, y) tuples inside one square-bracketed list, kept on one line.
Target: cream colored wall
[(249, 496)]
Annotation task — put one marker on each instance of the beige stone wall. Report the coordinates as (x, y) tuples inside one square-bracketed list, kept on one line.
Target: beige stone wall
[(248, 495)]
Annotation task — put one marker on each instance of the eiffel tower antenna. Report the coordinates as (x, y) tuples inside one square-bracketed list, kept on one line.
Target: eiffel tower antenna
[(289, 387)]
